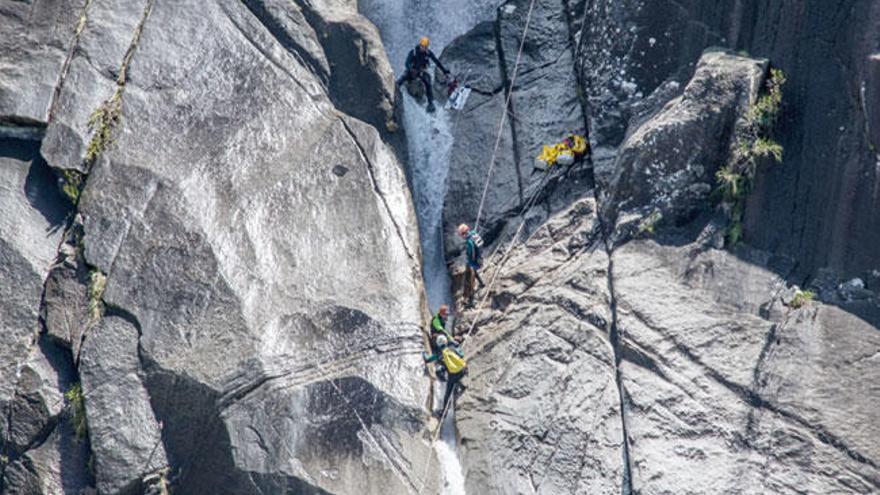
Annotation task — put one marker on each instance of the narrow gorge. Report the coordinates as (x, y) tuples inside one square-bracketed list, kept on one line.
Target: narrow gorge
[(226, 229)]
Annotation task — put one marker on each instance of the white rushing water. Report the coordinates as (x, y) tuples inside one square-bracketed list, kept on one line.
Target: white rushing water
[(429, 137)]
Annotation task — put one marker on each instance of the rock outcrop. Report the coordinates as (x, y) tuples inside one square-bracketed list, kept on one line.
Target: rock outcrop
[(820, 205), (539, 87), (666, 167), (239, 290), (610, 358)]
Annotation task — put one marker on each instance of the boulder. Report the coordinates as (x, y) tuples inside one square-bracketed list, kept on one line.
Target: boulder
[(667, 165), (125, 437)]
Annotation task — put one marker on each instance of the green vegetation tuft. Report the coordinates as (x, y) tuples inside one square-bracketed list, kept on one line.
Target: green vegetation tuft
[(97, 284), (71, 184), (765, 148), (102, 123), (648, 224), (754, 145), (75, 399), (802, 298)]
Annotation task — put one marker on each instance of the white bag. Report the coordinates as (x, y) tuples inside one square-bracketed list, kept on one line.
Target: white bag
[(565, 158), (458, 97)]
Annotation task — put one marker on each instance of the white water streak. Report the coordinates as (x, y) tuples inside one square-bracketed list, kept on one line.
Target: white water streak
[(401, 23)]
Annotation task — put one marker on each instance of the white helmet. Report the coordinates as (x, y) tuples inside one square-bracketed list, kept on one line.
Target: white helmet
[(441, 340)]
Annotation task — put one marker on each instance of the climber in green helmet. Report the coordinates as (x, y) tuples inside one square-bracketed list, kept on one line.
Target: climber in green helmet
[(452, 357), (438, 328), (417, 62), (438, 323)]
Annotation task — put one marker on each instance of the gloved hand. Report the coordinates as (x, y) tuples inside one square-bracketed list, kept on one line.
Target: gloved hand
[(425, 356)]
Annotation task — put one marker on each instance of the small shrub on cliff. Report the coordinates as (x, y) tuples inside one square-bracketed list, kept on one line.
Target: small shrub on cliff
[(754, 145), (102, 123), (77, 403), (802, 298), (71, 184)]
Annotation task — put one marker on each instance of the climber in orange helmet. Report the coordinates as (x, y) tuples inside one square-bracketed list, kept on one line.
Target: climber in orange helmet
[(417, 68)]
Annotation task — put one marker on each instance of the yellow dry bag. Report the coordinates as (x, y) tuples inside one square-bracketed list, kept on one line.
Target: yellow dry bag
[(453, 362)]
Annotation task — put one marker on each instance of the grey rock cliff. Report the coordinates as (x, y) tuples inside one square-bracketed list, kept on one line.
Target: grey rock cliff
[(666, 166), (606, 362), (263, 301), (820, 205), (540, 88)]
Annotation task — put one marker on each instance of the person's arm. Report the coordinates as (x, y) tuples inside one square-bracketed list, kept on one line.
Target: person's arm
[(409, 60), (437, 324), (429, 358), (437, 61)]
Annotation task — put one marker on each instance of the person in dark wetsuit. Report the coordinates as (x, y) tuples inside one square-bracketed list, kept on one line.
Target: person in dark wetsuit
[(417, 68)]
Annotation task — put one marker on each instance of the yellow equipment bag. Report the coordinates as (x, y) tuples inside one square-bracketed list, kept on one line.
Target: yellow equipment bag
[(580, 145), (564, 153), (454, 363), (548, 155)]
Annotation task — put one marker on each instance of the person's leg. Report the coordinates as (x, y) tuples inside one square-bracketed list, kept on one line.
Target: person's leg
[(426, 80), (406, 76), (480, 280), (468, 283), (450, 387)]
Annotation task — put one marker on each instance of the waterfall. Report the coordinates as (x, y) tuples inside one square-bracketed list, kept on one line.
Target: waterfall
[(429, 137)]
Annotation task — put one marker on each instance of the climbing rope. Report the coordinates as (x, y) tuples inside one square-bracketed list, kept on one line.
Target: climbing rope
[(503, 119), (504, 259)]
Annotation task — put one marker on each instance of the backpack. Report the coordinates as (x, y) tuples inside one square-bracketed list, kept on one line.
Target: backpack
[(453, 362), (478, 241)]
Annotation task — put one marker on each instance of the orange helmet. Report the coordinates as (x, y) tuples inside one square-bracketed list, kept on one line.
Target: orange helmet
[(424, 41)]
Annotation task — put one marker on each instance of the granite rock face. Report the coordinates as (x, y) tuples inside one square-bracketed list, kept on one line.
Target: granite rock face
[(536, 81), (542, 410), (243, 272), (232, 274), (820, 205), (666, 166), (607, 360)]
